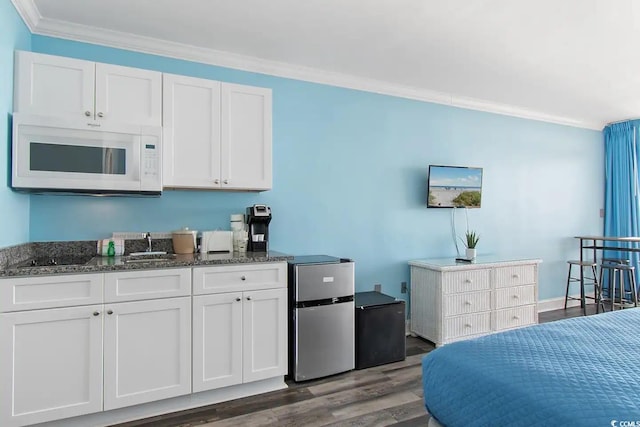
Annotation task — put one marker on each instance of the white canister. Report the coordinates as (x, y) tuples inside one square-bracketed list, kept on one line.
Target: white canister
[(237, 222)]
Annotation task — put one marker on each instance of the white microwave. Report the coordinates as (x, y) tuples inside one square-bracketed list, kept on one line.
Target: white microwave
[(51, 154)]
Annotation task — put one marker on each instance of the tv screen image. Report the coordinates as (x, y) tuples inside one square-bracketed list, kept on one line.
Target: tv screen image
[(454, 186)]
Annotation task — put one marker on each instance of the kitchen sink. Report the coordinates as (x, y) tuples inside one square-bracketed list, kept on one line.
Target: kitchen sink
[(148, 257)]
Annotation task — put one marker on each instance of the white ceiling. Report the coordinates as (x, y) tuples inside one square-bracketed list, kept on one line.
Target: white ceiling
[(575, 62)]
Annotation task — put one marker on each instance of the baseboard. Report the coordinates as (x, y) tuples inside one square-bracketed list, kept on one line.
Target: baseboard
[(556, 303)]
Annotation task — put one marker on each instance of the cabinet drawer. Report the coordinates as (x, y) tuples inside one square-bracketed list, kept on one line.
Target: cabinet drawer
[(469, 324), (471, 302), (243, 277), (147, 284), (515, 317), (465, 281), (515, 296), (514, 276), (30, 293)]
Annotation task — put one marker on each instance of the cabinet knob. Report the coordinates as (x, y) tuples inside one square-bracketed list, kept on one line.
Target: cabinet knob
[(216, 181), (96, 313), (516, 276), (467, 302), (516, 317), (238, 299), (100, 114), (110, 312), (226, 181), (468, 281), (516, 297), (87, 113), (243, 278), (248, 298), (467, 325)]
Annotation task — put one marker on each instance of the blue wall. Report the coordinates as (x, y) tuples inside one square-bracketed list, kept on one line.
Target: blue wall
[(14, 208), (350, 173)]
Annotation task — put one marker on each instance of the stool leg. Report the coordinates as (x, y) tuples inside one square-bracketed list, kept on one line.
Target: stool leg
[(566, 295), (597, 291), (582, 302), (634, 291), (612, 288)]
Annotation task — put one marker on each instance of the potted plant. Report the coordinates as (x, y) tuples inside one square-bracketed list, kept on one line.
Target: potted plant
[(470, 242)]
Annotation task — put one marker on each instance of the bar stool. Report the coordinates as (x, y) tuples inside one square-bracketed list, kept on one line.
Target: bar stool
[(605, 282), (617, 273), (584, 280)]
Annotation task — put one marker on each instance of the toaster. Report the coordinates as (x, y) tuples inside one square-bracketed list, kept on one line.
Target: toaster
[(216, 241)]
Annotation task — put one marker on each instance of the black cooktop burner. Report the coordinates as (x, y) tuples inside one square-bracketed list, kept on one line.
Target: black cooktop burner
[(53, 261)]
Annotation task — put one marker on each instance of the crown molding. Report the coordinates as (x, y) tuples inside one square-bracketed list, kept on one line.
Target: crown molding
[(29, 13), (116, 39)]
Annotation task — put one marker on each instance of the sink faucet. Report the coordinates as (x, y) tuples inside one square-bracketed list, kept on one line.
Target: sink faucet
[(147, 236)]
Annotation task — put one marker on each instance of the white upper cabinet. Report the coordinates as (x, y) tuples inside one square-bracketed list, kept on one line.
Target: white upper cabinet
[(74, 89), (216, 135), (191, 132), (53, 85), (128, 95), (246, 137)]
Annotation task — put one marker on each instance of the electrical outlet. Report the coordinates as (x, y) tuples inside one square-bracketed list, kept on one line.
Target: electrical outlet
[(403, 287), (377, 287)]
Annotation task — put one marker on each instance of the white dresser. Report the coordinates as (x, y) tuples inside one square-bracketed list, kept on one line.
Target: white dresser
[(453, 301)]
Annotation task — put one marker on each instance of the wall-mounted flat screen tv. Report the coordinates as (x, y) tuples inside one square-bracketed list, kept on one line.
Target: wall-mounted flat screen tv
[(454, 187)]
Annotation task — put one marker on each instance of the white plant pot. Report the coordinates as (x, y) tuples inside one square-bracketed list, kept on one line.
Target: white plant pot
[(471, 253)]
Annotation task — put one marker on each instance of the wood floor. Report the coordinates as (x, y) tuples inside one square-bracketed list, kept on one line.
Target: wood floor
[(380, 396)]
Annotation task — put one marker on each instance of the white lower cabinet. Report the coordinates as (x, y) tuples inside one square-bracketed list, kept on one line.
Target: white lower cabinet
[(147, 351), (51, 364), (239, 337)]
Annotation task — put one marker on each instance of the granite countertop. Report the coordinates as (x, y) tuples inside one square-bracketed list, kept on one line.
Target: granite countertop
[(13, 259)]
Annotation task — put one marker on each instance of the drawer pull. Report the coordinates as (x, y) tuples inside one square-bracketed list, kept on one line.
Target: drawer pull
[(243, 278), (467, 325), (516, 317), (468, 303), (516, 276), (96, 313), (238, 299), (110, 312), (516, 297), (248, 298), (468, 281)]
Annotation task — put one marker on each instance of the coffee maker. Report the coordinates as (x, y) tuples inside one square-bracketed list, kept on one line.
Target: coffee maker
[(258, 219)]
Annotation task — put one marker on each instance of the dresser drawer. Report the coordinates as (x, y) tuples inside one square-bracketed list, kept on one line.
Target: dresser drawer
[(471, 302), (243, 277), (515, 296), (516, 275), (31, 293), (515, 317), (466, 281), (147, 284), (469, 324)]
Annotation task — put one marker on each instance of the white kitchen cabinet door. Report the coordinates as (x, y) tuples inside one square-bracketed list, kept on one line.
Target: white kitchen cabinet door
[(246, 137), (147, 351), (53, 86), (191, 132), (217, 341), (128, 95), (51, 364), (264, 322)]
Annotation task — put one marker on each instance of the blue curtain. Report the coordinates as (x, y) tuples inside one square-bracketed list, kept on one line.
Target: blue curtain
[(622, 208)]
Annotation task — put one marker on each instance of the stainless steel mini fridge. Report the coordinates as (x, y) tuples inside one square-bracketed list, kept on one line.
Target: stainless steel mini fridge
[(321, 316)]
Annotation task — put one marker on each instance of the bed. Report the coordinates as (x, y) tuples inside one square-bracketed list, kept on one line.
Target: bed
[(576, 372)]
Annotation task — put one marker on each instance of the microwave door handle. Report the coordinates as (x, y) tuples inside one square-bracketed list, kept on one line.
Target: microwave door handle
[(107, 161)]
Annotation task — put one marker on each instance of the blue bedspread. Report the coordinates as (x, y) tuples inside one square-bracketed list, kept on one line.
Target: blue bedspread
[(576, 372)]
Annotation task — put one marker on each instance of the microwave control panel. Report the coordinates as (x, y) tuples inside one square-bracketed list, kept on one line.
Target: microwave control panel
[(150, 164)]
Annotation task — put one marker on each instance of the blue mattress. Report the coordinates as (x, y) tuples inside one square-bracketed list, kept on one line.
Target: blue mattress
[(576, 372)]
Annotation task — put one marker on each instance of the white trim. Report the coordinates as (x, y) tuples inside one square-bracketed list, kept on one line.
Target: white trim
[(556, 303), (29, 13), (82, 33)]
